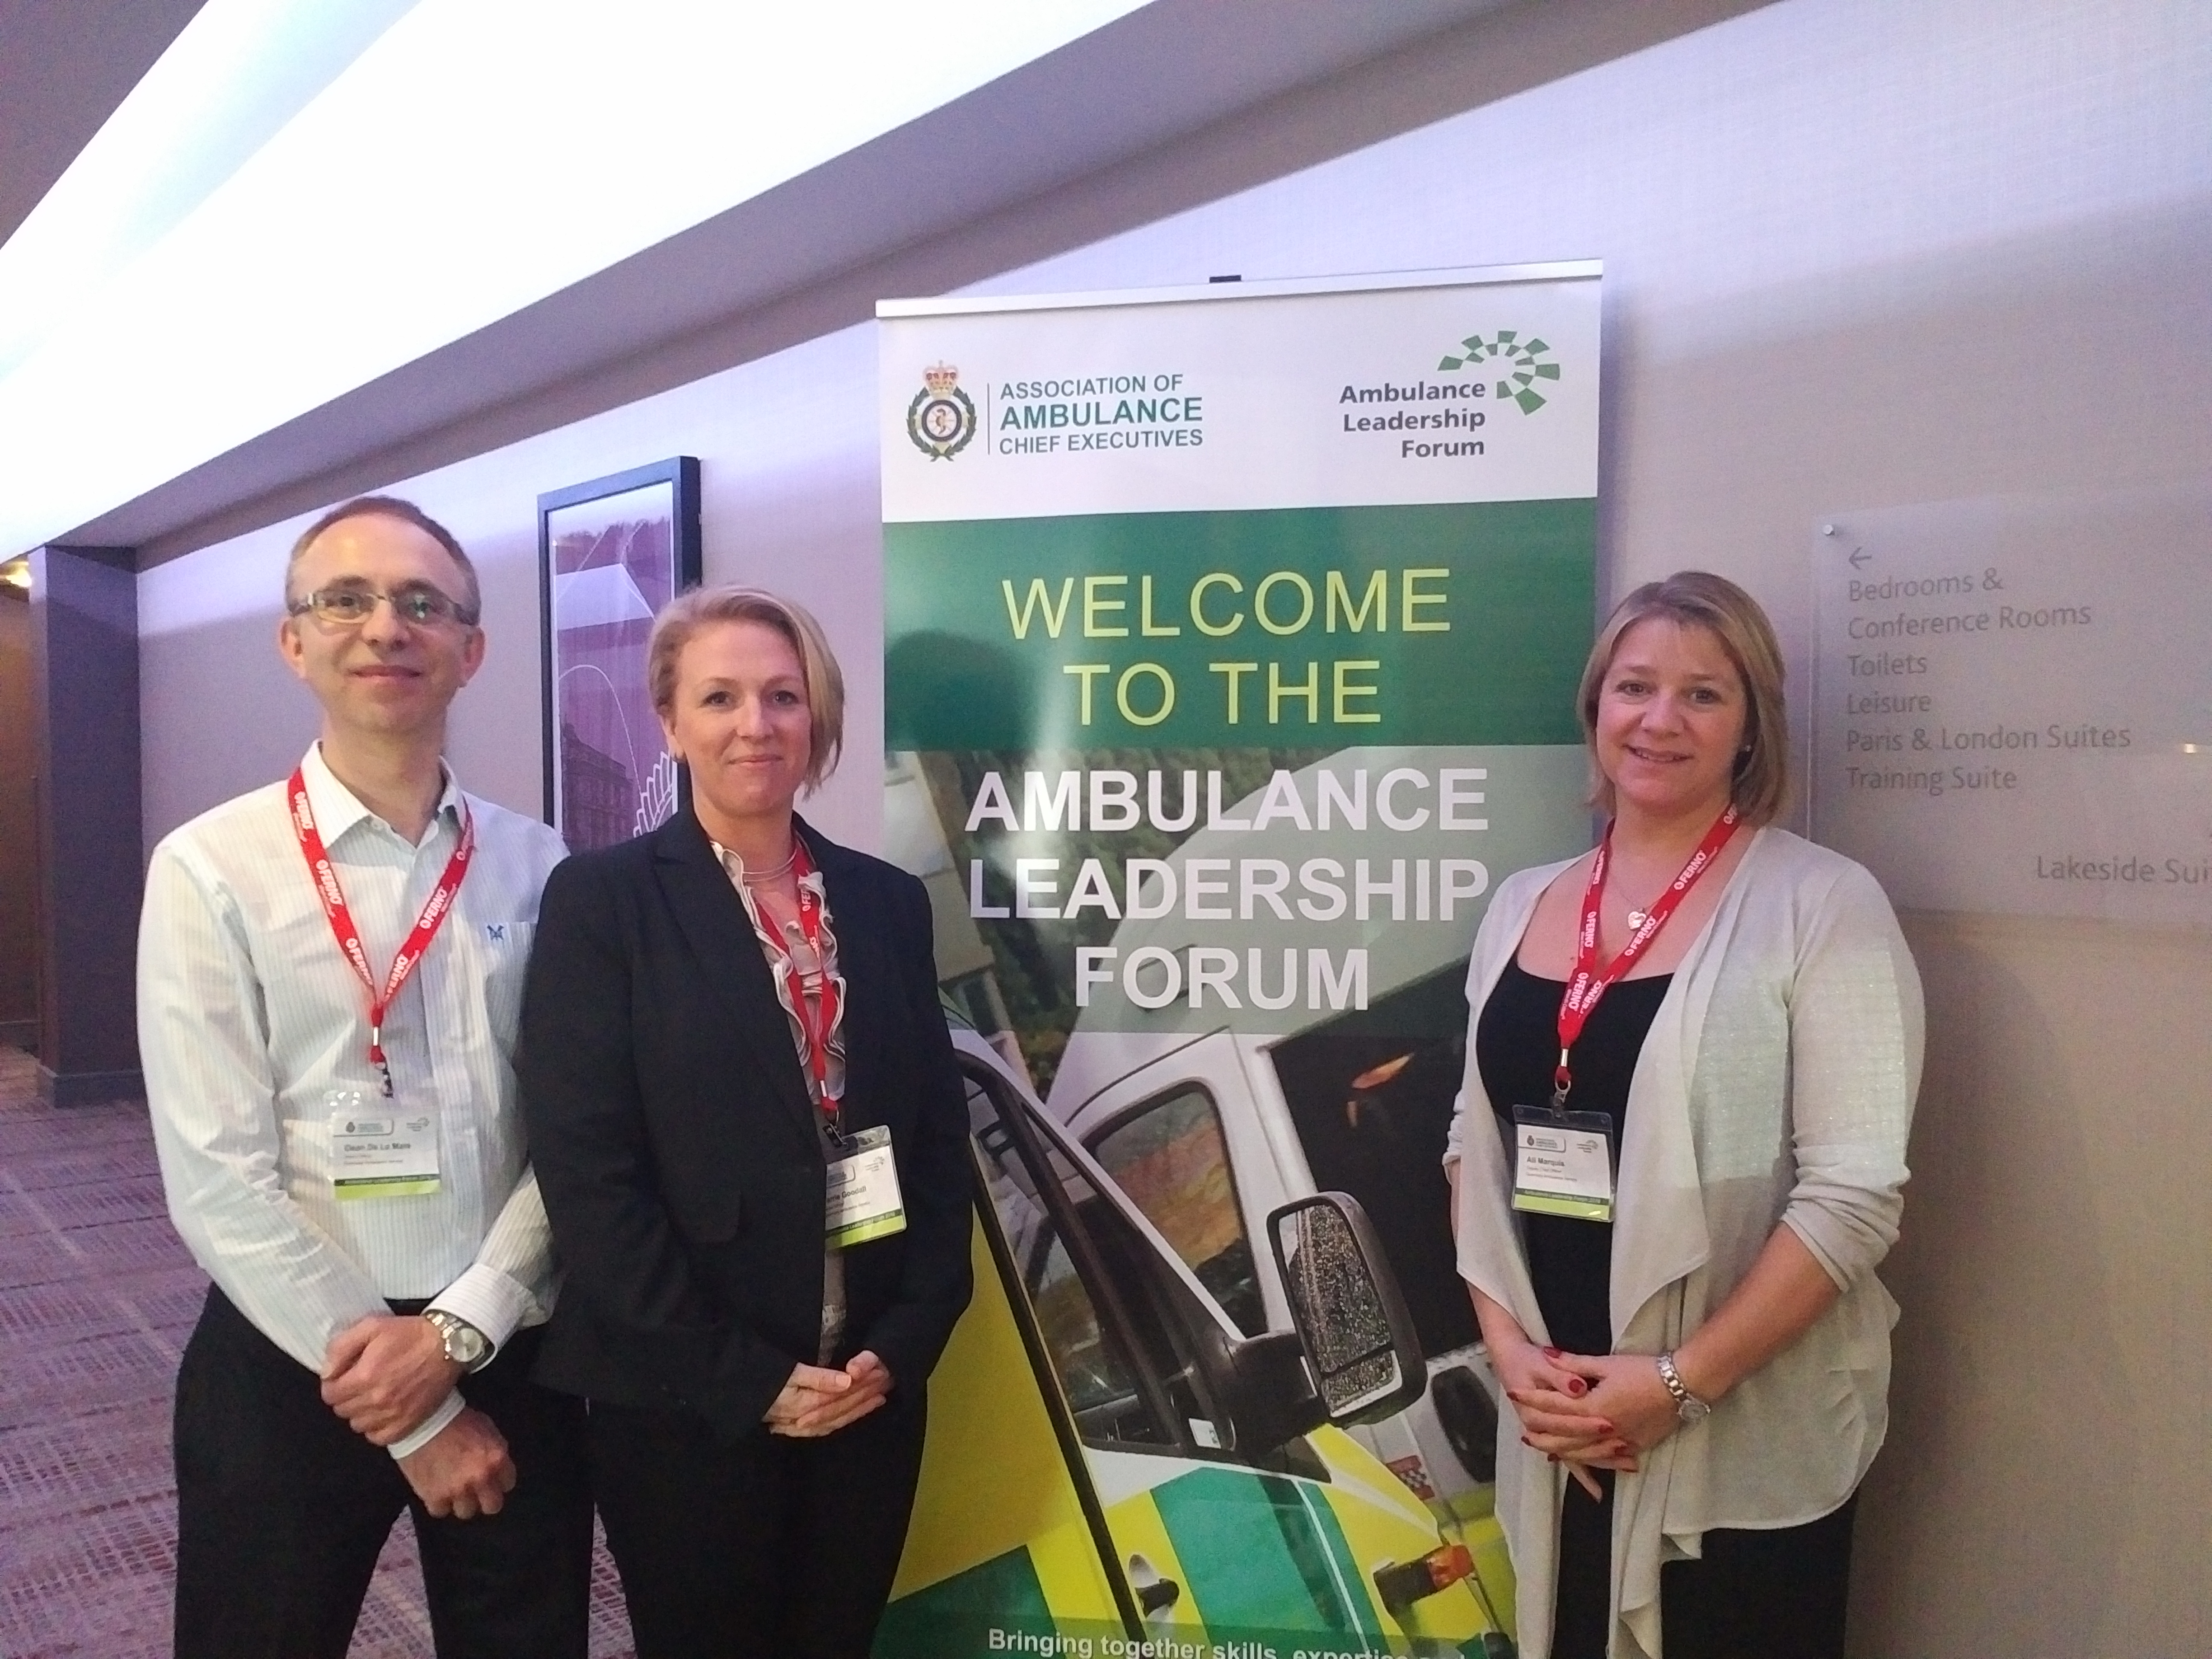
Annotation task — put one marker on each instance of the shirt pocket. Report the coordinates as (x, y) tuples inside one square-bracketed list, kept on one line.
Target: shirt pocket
[(504, 949)]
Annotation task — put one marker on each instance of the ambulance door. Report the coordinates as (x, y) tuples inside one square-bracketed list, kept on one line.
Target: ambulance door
[(1235, 1512)]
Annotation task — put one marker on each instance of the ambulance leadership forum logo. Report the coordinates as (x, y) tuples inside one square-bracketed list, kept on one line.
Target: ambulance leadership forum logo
[(1522, 365), (941, 419)]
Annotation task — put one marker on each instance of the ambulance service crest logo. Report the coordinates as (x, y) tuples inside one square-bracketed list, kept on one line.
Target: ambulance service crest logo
[(941, 419)]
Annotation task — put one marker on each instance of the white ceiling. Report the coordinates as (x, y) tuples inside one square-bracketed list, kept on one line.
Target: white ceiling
[(63, 68), (233, 77), (397, 258)]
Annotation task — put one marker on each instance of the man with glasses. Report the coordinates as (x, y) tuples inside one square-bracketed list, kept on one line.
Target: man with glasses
[(329, 974)]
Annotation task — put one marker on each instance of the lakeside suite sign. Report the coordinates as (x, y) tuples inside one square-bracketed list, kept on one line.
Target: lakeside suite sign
[(1232, 638)]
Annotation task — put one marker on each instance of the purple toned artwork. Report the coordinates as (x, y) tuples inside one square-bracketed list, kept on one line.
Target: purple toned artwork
[(612, 552)]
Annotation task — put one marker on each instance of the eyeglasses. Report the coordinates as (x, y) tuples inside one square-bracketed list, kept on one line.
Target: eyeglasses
[(349, 607)]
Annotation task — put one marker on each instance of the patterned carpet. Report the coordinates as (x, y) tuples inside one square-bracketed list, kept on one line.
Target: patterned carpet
[(96, 1299)]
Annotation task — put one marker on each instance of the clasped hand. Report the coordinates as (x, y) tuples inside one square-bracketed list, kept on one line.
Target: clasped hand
[(384, 1375), (817, 1400), (1588, 1412)]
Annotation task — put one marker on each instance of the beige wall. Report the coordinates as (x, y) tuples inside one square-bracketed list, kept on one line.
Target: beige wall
[(2048, 1484), (787, 499), (1859, 254)]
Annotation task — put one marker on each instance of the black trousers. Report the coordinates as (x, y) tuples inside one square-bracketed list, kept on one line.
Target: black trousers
[(1776, 1594), (281, 1510), (770, 1547)]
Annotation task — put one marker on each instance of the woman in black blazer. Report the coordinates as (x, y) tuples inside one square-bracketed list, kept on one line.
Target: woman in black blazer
[(717, 1015)]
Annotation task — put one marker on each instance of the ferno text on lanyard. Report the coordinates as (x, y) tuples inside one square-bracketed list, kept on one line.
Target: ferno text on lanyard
[(818, 1018), (432, 916), (1589, 981)]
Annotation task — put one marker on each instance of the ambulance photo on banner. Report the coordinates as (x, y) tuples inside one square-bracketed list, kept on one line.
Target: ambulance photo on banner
[(1233, 636)]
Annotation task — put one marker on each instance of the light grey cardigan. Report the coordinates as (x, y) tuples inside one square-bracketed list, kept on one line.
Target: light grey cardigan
[(1776, 1085)]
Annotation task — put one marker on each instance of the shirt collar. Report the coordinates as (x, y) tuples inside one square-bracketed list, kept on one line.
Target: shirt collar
[(733, 866), (732, 861), (338, 809)]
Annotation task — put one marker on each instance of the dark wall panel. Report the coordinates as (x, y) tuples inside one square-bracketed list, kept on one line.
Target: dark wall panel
[(19, 836), (84, 627)]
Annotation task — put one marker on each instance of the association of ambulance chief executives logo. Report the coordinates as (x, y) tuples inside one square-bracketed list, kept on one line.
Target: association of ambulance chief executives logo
[(1505, 353), (941, 419)]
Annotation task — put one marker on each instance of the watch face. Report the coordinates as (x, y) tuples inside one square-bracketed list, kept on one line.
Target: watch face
[(1694, 1411), (463, 1344)]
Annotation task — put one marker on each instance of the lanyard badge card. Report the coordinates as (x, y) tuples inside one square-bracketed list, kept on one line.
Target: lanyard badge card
[(378, 1152), (864, 1190), (1562, 1161)]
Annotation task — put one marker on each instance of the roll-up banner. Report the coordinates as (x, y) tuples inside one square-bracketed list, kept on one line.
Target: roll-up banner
[(1232, 640)]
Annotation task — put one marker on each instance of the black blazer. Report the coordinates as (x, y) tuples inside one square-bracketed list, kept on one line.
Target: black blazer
[(674, 1141)]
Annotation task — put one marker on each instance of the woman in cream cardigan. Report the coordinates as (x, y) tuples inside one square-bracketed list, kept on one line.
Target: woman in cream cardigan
[(1692, 1340)]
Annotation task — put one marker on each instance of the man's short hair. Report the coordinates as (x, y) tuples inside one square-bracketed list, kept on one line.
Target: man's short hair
[(470, 600)]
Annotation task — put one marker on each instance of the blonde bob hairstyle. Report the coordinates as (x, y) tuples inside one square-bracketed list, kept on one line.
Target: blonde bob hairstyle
[(1697, 599), (685, 615)]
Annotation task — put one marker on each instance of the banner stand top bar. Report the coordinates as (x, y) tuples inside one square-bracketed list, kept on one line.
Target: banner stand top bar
[(1449, 277)]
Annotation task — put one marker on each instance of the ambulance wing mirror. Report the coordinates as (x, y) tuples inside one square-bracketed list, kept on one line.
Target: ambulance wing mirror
[(1359, 1340)]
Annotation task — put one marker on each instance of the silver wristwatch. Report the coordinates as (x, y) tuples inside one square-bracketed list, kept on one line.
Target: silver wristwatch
[(1689, 1407), (464, 1345)]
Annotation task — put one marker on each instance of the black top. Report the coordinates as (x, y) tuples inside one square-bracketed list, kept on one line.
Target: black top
[(1516, 1045), (680, 1156)]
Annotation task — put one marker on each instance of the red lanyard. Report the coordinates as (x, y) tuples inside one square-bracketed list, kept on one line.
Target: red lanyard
[(817, 1022), (426, 923), (1589, 983)]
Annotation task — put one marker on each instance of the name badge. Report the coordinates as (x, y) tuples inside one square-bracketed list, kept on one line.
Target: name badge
[(377, 1151), (864, 1190), (1562, 1162)]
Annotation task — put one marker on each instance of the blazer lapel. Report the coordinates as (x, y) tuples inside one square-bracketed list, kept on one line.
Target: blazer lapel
[(713, 921)]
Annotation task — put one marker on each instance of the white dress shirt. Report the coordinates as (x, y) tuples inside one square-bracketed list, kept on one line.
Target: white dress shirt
[(249, 1016), (1775, 1087)]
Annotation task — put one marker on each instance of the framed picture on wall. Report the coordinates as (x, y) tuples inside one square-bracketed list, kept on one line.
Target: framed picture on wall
[(611, 553)]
